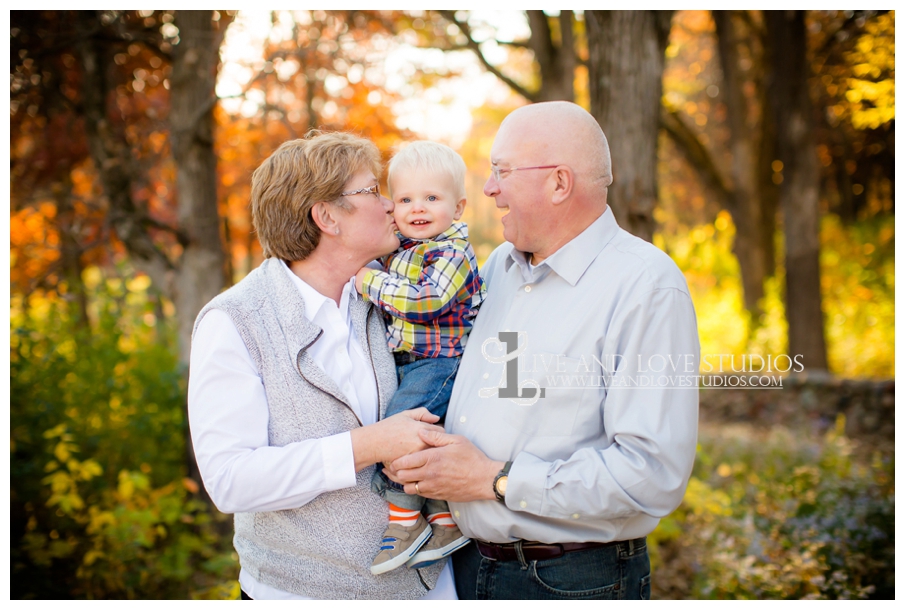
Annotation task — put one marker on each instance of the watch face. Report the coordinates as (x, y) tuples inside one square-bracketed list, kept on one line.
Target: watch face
[(501, 485)]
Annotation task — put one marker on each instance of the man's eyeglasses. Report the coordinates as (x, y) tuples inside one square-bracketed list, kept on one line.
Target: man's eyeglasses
[(371, 190), (497, 171)]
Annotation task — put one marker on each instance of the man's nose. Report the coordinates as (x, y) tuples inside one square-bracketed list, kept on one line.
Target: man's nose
[(491, 187)]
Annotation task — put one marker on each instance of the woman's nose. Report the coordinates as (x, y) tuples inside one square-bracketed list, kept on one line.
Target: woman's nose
[(388, 204)]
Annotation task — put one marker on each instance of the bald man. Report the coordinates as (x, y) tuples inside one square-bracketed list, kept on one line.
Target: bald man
[(573, 421)]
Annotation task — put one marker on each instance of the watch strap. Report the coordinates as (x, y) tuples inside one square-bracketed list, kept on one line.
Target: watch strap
[(502, 473)]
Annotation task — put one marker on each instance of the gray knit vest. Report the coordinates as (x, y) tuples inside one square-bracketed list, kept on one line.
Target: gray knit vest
[(323, 549)]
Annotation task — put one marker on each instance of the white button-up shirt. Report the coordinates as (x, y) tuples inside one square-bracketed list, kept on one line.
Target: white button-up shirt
[(229, 415), (599, 452)]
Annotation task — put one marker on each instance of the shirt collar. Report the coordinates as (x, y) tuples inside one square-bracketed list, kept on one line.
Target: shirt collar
[(573, 259), (314, 300), (457, 230)]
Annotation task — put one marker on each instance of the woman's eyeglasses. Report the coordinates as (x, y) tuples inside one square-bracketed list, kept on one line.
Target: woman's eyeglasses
[(371, 190)]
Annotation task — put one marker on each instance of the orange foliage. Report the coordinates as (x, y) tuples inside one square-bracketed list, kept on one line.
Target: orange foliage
[(317, 78), (32, 243)]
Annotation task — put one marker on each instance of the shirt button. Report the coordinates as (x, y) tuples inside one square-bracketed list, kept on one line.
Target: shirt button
[(575, 515), (527, 288), (486, 375), (462, 419), (523, 504), (456, 514)]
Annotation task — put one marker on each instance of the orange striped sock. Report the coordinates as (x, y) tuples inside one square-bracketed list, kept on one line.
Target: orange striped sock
[(403, 516), (441, 519)]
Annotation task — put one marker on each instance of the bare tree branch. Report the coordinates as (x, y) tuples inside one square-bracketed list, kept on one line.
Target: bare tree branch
[(476, 48), (518, 44), (690, 146)]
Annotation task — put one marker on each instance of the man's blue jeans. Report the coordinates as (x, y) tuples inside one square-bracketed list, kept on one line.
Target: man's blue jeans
[(424, 383), (618, 571)]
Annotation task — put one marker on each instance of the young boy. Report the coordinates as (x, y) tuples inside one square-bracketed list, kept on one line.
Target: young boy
[(431, 291)]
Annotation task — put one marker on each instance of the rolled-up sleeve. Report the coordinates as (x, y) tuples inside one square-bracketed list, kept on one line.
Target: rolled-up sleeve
[(228, 417), (651, 431)]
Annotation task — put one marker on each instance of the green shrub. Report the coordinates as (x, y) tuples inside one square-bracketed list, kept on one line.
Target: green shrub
[(783, 518), (100, 504)]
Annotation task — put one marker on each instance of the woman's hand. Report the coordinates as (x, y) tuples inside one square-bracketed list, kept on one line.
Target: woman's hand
[(451, 469), (392, 437)]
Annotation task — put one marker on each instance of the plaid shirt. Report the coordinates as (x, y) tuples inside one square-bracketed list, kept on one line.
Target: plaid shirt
[(431, 290)]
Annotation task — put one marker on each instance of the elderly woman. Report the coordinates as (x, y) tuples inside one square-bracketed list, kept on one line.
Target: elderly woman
[(290, 376)]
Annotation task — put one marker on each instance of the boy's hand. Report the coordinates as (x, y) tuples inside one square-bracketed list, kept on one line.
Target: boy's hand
[(360, 278)]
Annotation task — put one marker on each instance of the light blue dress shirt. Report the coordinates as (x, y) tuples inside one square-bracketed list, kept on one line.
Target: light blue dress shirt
[(602, 427)]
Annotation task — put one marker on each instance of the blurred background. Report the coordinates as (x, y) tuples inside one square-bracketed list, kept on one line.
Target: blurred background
[(755, 147)]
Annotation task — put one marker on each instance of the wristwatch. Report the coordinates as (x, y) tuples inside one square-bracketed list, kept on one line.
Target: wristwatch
[(500, 482)]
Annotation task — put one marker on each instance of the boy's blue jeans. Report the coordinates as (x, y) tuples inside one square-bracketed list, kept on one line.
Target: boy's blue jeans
[(424, 383)]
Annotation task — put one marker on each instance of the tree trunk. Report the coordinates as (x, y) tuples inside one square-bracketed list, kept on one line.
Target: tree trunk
[(192, 99), (799, 190), (625, 68), (70, 250), (567, 55), (768, 189), (557, 63), (202, 270), (198, 274), (744, 170), (112, 155)]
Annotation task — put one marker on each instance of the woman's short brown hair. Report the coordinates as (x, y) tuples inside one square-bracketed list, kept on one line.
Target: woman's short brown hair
[(297, 175)]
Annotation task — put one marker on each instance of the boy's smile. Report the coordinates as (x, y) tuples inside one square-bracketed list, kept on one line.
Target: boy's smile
[(427, 203)]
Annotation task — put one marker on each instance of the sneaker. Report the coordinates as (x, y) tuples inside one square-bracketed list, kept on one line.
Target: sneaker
[(399, 544), (444, 541)]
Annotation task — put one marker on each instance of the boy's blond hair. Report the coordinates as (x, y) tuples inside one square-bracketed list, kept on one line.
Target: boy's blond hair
[(429, 156)]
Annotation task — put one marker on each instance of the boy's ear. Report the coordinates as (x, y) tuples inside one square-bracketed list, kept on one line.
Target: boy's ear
[(460, 207), (324, 217)]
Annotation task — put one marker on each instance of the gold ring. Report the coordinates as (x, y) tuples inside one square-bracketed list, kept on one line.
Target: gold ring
[(417, 490)]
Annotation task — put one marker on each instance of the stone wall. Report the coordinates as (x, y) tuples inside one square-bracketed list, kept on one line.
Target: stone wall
[(808, 402)]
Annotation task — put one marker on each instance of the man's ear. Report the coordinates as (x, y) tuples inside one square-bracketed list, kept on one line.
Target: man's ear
[(564, 182), (460, 207), (324, 217)]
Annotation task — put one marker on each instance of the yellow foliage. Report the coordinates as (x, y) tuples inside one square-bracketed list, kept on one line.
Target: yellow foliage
[(139, 283), (92, 556), (126, 486), (872, 89), (705, 501), (857, 279), (63, 482), (98, 519)]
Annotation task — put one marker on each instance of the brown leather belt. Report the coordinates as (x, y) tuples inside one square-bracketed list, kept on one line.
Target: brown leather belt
[(535, 551)]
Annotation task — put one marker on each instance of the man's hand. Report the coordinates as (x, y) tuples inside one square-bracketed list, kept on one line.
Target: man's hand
[(451, 469), (392, 437), (360, 279)]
